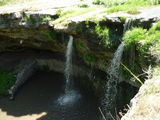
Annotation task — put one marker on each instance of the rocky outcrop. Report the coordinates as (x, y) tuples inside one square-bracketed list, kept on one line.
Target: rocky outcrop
[(29, 66), (37, 30), (146, 105), (24, 71)]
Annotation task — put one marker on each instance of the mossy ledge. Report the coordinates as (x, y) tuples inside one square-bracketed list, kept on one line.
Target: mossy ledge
[(40, 30)]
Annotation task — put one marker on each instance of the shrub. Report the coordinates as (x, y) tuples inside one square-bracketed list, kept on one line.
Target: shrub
[(83, 6), (133, 36), (103, 34)]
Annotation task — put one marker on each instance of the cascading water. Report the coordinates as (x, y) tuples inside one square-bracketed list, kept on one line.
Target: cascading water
[(111, 85), (127, 24), (68, 65), (70, 94)]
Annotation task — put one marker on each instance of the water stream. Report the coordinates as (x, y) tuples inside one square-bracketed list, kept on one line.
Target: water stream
[(111, 85), (70, 95), (68, 65)]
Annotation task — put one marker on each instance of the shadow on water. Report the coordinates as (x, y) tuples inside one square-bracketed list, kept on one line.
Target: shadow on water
[(40, 94)]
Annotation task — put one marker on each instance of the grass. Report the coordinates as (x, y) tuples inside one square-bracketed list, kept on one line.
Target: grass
[(110, 3), (9, 2), (64, 14), (7, 79), (145, 108), (129, 6)]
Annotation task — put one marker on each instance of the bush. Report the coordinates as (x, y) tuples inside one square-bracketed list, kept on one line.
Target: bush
[(103, 34), (133, 36), (83, 6), (7, 79)]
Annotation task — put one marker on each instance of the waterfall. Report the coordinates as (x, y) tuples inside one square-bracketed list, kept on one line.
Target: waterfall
[(70, 95), (127, 25), (68, 65), (111, 85)]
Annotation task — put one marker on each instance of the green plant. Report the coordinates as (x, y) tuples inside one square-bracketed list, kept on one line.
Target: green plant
[(129, 6), (84, 53), (89, 58), (111, 3), (29, 19), (49, 34), (65, 14), (7, 2), (83, 6), (7, 79), (103, 34), (133, 36), (46, 19)]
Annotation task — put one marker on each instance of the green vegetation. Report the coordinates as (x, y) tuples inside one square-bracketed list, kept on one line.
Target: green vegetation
[(46, 19), (32, 20), (128, 9), (103, 34), (83, 6), (129, 6), (145, 44), (110, 3), (49, 34), (64, 14), (7, 2), (27, 18), (7, 79), (82, 50), (133, 36)]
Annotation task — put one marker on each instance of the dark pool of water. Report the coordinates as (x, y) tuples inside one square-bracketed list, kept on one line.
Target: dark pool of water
[(40, 94)]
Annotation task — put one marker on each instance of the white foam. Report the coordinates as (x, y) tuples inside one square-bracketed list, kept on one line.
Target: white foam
[(69, 98)]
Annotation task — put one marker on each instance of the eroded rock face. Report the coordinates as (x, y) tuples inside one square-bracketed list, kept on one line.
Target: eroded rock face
[(145, 104), (35, 30)]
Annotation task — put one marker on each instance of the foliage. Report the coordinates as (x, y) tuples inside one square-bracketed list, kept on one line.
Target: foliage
[(46, 19), (6, 2), (147, 44), (133, 36), (32, 20), (128, 9), (103, 34), (29, 19), (7, 79), (129, 6), (83, 6), (82, 50), (110, 3), (64, 14)]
